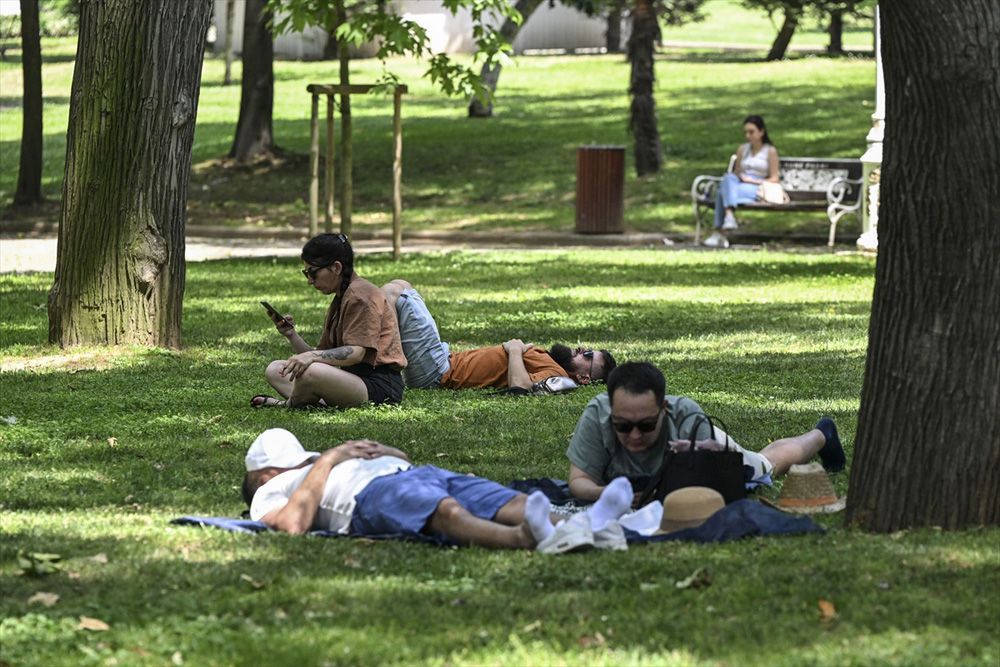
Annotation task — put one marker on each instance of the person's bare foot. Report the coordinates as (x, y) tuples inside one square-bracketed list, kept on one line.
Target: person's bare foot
[(263, 401)]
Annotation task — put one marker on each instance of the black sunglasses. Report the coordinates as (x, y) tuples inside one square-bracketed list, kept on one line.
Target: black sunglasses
[(311, 272), (645, 426)]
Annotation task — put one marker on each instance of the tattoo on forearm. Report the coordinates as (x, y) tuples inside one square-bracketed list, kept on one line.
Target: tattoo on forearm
[(338, 353)]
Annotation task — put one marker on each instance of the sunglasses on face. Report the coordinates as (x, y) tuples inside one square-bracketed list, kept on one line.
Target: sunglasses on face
[(644, 426), (311, 272)]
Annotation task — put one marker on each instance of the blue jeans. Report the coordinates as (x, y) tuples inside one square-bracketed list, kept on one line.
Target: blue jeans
[(427, 358), (731, 193)]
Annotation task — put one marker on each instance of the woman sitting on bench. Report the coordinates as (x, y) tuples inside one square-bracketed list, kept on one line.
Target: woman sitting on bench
[(756, 162)]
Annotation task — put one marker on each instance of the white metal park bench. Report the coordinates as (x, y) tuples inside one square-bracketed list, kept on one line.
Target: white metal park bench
[(812, 184)]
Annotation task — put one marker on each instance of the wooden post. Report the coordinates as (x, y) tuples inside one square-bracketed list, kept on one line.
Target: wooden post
[(328, 220), (314, 168), (397, 174)]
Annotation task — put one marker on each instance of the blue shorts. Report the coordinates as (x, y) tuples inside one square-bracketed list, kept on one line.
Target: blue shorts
[(400, 504), (427, 358)]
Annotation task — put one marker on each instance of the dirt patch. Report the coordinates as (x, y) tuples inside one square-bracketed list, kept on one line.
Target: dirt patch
[(71, 363)]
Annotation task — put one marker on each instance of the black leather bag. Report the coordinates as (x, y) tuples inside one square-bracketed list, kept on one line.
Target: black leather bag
[(719, 470)]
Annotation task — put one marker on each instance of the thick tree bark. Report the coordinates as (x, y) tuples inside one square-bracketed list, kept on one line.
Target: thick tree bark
[(641, 52), (254, 130), (784, 37), (928, 443), (120, 261), (491, 75), (29, 173), (836, 32), (613, 34)]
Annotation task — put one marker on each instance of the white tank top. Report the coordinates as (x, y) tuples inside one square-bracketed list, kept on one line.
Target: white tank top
[(756, 166)]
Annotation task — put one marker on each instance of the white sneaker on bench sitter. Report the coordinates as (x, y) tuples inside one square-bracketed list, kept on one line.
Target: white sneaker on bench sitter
[(611, 537), (716, 240), (729, 222)]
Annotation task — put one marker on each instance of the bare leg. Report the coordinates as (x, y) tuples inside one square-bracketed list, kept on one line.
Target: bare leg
[(454, 521), (335, 386), (785, 453), (275, 379), (394, 288), (512, 514)]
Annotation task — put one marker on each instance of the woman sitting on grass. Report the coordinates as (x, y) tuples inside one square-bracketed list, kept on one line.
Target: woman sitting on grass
[(359, 356), (756, 162)]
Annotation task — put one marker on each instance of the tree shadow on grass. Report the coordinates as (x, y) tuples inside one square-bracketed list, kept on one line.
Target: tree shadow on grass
[(409, 602)]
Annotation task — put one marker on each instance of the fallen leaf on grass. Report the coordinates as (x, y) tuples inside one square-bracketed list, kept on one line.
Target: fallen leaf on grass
[(827, 612), (700, 578), (177, 658), (95, 624), (441, 454), (257, 585), (596, 640), (47, 599), (101, 558), (112, 441), (10, 421), (531, 627)]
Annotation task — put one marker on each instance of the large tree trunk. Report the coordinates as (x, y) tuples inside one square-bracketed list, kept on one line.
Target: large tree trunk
[(641, 51), (120, 261), (784, 37), (254, 130), (836, 32), (613, 33), (927, 451), (491, 75), (29, 174)]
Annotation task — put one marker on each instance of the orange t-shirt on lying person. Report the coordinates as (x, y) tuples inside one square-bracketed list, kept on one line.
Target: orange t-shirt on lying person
[(487, 367)]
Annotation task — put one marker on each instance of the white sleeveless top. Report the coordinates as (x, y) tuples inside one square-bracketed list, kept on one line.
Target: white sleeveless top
[(756, 166)]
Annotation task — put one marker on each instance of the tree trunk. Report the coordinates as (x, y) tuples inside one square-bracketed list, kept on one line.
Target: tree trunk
[(346, 142), (119, 275), (613, 34), (927, 451), (641, 50), (227, 78), (254, 129), (491, 75), (29, 173), (784, 38), (836, 32)]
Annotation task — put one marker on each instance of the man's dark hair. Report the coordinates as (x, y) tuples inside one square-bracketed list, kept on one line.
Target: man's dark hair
[(637, 377), (248, 489), (609, 364)]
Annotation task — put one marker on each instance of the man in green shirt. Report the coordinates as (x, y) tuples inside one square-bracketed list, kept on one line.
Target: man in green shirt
[(626, 432)]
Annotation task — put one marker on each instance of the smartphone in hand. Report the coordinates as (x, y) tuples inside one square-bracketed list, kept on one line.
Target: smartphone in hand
[(275, 316)]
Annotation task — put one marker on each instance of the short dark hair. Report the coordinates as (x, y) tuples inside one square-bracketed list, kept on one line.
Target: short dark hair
[(249, 488), (637, 377), (609, 363)]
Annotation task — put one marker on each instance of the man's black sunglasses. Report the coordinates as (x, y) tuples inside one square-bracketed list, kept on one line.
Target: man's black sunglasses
[(644, 426)]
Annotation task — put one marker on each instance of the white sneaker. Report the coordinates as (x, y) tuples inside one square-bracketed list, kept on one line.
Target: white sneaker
[(729, 222), (574, 534), (716, 240), (611, 537)]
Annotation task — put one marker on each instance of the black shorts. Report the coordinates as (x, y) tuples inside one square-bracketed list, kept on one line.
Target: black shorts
[(384, 384)]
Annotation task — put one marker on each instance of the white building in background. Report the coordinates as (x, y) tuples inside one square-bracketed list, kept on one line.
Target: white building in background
[(548, 28)]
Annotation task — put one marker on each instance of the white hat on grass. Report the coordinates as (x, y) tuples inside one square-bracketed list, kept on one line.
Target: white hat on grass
[(277, 448)]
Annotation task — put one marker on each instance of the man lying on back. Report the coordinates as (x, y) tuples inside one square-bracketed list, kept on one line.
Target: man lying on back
[(430, 363)]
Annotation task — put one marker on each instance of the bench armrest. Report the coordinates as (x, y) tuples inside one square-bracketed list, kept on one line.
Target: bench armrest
[(839, 188), (703, 188)]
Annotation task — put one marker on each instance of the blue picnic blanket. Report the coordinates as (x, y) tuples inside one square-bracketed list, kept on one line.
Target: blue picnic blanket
[(744, 518)]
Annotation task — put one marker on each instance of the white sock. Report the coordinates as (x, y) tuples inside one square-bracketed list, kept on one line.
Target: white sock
[(536, 515), (615, 500)]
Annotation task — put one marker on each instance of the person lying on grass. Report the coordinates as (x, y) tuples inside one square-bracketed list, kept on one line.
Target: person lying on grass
[(365, 488), (513, 364), (359, 356), (626, 431)]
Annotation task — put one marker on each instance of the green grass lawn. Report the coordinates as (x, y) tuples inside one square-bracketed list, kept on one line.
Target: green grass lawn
[(108, 446), (515, 171)]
